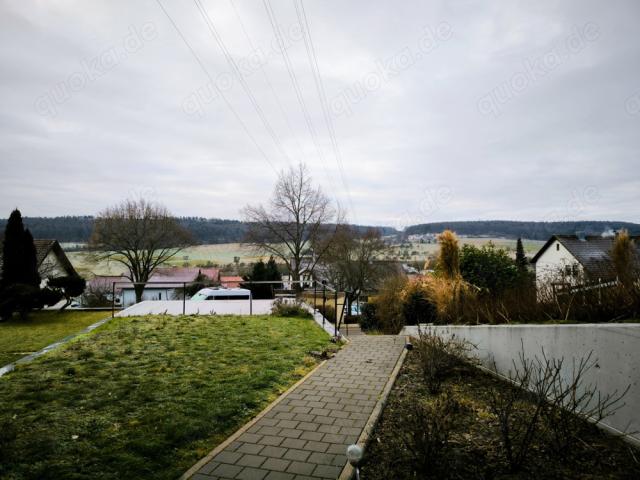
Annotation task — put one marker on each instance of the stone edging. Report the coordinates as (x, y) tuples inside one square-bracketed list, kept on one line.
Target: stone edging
[(203, 461), (32, 356), (348, 471)]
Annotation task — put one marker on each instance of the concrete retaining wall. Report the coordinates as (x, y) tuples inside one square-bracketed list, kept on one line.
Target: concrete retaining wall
[(615, 346)]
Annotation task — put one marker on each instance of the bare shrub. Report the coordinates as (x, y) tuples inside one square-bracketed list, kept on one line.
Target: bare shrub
[(540, 392), (281, 308), (518, 410), (426, 431), (572, 403), (438, 356)]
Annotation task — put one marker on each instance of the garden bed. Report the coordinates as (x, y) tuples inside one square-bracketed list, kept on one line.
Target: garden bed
[(473, 449), (146, 397)]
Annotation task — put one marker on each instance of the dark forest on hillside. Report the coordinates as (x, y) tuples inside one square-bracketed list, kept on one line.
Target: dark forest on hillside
[(205, 230), (528, 230), (216, 230)]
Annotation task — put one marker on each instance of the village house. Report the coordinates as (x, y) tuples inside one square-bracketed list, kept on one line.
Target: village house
[(51, 259), (166, 283), (575, 260)]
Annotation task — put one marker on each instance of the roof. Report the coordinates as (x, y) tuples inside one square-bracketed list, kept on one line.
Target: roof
[(105, 282), (173, 277), (231, 280), (592, 252), (43, 247)]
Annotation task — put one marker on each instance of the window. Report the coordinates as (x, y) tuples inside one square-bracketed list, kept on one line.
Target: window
[(557, 247), (567, 270), (575, 270)]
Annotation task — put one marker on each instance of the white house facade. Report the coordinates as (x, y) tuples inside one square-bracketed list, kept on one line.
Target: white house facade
[(575, 261), (557, 264)]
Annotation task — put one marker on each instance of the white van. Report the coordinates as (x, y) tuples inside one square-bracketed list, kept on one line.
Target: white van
[(219, 293)]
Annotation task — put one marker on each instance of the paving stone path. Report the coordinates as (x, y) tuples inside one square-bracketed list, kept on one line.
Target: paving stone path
[(305, 435)]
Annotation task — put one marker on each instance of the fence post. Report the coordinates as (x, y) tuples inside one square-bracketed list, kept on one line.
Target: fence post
[(335, 318), (315, 287), (348, 314), (184, 297), (113, 299), (324, 302), (250, 298)]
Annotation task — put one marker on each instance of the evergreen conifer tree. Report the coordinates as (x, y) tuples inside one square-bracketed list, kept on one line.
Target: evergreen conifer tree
[(19, 263), (521, 258)]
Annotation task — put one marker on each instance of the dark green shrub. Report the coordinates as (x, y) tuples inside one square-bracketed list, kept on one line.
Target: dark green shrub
[(417, 308), (488, 267), (68, 287), (368, 319), (48, 297), (20, 298)]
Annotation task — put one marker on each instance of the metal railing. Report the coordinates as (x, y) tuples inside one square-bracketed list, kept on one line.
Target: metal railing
[(302, 291)]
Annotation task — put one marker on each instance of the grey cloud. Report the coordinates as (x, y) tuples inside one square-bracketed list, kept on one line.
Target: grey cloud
[(126, 132)]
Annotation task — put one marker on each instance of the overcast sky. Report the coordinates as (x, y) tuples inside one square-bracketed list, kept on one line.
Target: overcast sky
[(442, 110)]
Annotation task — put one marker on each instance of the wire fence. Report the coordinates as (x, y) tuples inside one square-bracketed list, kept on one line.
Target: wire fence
[(320, 296)]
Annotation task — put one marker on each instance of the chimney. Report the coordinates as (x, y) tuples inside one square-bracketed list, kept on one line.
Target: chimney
[(581, 235)]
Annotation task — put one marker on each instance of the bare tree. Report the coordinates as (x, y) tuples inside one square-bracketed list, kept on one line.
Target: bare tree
[(352, 260), (140, 235), (298, 222)]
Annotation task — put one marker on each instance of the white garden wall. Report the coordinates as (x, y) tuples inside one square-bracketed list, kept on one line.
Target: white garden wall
[(615, 346)]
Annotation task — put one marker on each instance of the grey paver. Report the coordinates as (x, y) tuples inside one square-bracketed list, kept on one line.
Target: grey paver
[(250, 473), (251, 460), (297, 455), (327, 471), (276, 464), (274, 452), (307, 433), (301, 468)]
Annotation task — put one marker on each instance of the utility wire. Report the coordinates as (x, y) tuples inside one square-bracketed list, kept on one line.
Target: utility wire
[(296, 87), (234, 67), (317, 77), (267, 79), (226, 101)]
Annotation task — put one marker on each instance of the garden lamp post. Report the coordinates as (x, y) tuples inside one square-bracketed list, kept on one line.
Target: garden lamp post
[(354, 455)]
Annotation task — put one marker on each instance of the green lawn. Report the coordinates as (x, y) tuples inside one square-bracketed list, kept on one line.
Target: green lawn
[(19, 338), (146, 397)]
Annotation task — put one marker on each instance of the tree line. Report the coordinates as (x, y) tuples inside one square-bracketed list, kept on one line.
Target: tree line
[(203, 230), (528, 230)]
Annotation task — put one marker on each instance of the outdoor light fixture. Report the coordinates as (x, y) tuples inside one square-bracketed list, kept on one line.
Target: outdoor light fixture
[(354, 455)]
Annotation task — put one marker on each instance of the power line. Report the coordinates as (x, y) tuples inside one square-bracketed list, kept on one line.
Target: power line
[(218, 38), (226, 101), (296, 86), (267, 79), (313, 62)]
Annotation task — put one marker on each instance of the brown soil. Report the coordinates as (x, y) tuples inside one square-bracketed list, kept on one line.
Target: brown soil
[(474, 450)]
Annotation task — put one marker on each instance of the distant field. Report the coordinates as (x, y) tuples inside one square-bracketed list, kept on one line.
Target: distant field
[(224, 253), (420, 251), (219, 254)]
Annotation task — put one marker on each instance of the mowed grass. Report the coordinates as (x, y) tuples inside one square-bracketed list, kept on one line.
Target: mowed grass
[(146, 397), (21, 337)]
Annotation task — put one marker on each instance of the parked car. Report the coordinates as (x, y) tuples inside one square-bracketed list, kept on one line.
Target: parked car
[(220, 293)]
